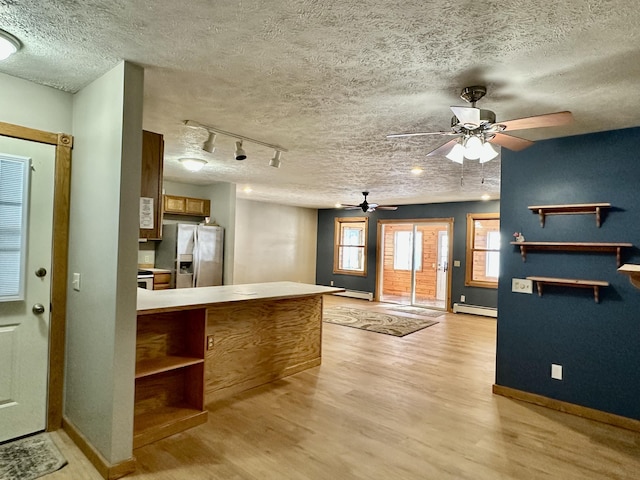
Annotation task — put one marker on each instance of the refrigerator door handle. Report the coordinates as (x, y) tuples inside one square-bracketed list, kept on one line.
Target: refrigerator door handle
[(196, 258)]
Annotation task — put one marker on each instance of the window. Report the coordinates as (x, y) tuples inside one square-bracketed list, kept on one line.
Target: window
[(403, 246), (350, 249), (483, 250), (14, 192)]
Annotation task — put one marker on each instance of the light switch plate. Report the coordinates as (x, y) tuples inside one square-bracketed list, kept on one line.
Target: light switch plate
[(76, 282), (556, 371), (521, 285), (456, 263)]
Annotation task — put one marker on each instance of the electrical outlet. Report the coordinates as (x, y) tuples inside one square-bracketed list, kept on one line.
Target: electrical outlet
[(556, 371), (521, 285), (332, 283), (209, 342), (147, 259), (463, 298)]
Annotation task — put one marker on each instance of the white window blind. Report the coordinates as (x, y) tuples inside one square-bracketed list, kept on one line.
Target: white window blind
[(14, 195)]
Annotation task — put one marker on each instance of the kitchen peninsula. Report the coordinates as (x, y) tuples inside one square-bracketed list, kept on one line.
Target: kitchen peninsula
[(197, 345)]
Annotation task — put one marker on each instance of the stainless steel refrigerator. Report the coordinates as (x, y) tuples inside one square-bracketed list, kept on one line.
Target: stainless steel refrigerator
[(193, 253)]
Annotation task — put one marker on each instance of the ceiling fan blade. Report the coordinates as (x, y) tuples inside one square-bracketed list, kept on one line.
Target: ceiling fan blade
[(512, 143), (468, 116), (419, 134), (350, 207), (386, 207), (538, 121), (443, 149)]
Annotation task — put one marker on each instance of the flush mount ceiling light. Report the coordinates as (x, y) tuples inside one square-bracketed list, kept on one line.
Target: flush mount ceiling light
[(8, 45), (275, 161), (208, 145), (239, 152), (193, 164)]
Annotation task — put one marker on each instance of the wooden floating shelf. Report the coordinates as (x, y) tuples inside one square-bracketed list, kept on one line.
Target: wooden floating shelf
[(633, 271), (164, 364), (572, 247), (570, 209), (570, 282)]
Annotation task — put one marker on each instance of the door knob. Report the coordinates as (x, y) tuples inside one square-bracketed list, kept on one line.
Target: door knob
[(41, 272), (38, 309)]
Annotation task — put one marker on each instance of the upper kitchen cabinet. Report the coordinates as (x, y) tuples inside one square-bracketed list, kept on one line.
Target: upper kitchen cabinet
[(151, 186), (200, 207)]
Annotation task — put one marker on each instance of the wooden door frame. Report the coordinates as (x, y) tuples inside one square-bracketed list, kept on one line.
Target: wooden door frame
[(379, 262), (59, 256)]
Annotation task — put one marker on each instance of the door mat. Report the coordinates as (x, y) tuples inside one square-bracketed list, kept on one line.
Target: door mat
[(423, 312), (30, 458), (375, 321)]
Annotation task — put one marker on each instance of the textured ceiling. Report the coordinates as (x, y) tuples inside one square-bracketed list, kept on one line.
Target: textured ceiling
[(329, 79)]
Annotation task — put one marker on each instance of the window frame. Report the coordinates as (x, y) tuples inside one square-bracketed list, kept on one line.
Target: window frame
[(471, 249), (337, 245)]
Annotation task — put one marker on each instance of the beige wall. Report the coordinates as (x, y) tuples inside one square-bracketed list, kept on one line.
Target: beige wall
[(274, 243), (103, 241)]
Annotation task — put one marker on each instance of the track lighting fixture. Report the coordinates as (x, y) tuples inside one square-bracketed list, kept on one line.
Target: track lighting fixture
[(208, 146), (8, 45), (275, 161), (240, 153), (193, 164)]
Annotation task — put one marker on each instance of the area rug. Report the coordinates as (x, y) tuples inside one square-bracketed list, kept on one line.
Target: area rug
[(375, 321), (30, 458), (423, 312)]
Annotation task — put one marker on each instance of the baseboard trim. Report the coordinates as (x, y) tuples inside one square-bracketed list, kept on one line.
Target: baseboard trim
[(107, 470), (571, 408)]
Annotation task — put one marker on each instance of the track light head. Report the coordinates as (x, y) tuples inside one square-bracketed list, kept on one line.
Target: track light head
[(208, 146), (275, 161), (240, 153)]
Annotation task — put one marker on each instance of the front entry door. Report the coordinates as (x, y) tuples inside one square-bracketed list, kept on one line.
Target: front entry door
[(24, 333)]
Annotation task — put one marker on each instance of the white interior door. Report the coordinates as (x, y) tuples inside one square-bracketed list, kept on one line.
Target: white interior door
[(24, 333)]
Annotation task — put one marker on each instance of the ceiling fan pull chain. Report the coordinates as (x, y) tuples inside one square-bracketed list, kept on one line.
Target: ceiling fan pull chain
[(462, 174), (482, 170)]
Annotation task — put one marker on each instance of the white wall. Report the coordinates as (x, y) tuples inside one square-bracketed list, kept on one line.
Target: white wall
[(274, 243), (103, 241), (34, 106)]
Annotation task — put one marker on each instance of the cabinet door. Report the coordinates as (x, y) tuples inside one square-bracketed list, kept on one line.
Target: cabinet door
[(151, 181), (197, 206), (174, 204)]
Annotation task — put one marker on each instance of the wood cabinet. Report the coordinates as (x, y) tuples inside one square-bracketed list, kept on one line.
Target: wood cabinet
[(187, 205), (169, 388), (151, 182), (161, 281)]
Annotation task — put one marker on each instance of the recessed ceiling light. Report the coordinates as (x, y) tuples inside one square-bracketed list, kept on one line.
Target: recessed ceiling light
[(8, 44), (486, 197), (248, 190), (416, 170), (193, 164), (338, 205)]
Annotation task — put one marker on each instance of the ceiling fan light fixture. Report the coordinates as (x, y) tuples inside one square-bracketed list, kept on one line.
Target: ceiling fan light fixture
[(275, 161), (487, 152), (8, 45), (193, 164), (240, 153), (473, 147), (208, 145), (456, 154)]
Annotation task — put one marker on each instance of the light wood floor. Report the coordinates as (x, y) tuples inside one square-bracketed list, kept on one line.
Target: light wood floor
[(381, 407)]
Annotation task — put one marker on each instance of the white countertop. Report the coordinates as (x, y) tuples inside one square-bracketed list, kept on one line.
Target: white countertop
[(150, 301)]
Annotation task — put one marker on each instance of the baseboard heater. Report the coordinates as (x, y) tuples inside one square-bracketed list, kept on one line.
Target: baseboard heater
[(475, 310), (356, 294)]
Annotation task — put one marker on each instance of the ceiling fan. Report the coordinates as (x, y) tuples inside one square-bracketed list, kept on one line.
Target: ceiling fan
[(369, 207), (475, 129)]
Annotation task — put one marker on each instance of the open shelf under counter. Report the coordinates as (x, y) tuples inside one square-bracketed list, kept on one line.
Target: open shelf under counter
[(613, 247), (145, 368), (165, 421), (570, 209), (633, 271), (570, 282)]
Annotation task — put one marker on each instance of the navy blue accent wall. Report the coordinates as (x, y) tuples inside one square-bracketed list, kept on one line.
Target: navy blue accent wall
[(598, 345), (458, 211)]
